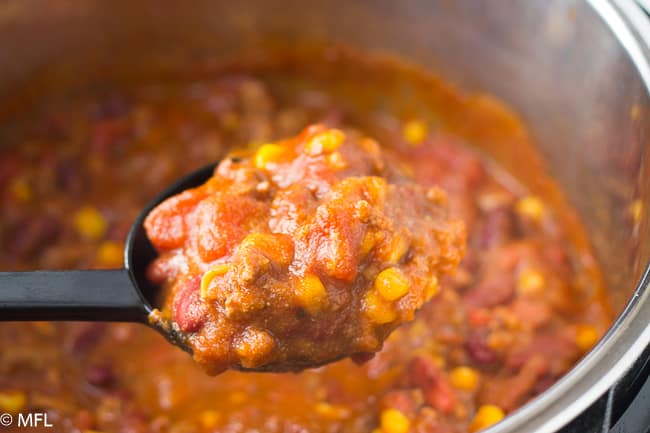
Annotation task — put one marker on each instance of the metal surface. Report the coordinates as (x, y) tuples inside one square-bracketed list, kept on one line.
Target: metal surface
[(576, 71), (637, 416)]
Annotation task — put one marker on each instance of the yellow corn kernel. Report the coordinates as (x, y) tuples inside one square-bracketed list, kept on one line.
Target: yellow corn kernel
[(392, 284), (530, 282), (325, 142), (375, 189), (415, 131), (311, 293), (464, 378), (378, 310), (90, 223), (331, 411), (531, 207), (110, 253), (336, 160), (207, 278), (209, 418), (399, 245), (377, 430), (432, 288), (21, 190), (486, 416), (368, 243), (636, 210), (269, 153), (12, 401), (586, 337), (394, 421)]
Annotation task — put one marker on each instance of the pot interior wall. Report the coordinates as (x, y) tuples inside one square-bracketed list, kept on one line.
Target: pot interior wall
[(556, 63)]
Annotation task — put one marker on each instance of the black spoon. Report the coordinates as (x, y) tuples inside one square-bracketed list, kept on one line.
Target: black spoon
[(116, 295)]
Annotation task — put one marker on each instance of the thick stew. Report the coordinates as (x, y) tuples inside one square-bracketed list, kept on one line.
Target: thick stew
[(524, 305), (302, 252)]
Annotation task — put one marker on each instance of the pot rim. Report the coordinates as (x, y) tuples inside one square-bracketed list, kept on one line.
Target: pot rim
[(598, 372)]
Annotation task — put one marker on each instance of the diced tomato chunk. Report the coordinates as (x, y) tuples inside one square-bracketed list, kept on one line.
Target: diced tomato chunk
[(222, 221), (336, 238), (166, 225)]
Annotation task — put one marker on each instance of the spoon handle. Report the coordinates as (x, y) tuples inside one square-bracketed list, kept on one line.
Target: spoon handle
[(106, 295)]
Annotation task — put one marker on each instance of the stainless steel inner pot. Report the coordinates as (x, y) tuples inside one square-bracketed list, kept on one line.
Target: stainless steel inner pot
[(576, 71)]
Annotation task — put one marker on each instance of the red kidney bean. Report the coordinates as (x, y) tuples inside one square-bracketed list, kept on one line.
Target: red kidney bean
[(119, 231), (436, 389), (543, 384), (101, 376), (512, 392), (86, 337), (107, 135), (69, 176), (478, 349), (557, 348), (112, 106), (493, 289), (188, 309), (496, 229), (31, 233)]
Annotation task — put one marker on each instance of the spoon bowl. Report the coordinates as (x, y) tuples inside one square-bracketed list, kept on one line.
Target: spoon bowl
[(139, 253), (114, 295)]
